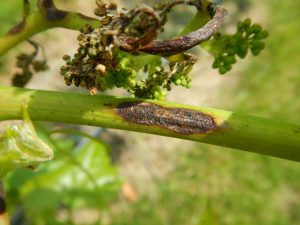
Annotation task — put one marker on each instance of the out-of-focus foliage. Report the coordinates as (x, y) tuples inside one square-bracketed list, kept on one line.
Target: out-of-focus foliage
[(80, 177), (208, 216), (242, 188), (229, 188), (271, 84)]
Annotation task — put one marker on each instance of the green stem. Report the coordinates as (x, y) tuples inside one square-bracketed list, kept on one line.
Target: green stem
[(217, 127), (38, 22)]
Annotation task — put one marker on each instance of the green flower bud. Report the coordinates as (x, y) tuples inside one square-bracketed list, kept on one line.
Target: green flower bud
[(177, 82), (216, 63), (256, 28), (230, 59), (223, 70), (242, 50), (184, 82), (258, 44), (231, 50), (66, 57), (240, 26), (255, 51), (262, 35), (247, 23)]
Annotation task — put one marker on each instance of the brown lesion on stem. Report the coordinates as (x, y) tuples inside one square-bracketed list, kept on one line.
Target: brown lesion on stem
[(167, 7), (47, 8), (179, 44), (51, 11), (179, 120), (18, 28), (183, 43)]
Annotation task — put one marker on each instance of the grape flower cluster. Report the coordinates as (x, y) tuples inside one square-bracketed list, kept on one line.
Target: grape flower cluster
[(102, 61), (124, 53), (226, 48)]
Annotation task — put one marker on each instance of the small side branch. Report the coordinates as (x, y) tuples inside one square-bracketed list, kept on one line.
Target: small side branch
[(46, 18), (26, 8), (183, 43), (178, 44)]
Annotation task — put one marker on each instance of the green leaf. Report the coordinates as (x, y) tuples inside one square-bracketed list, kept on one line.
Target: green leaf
[(86, 172), (20, 147), (42, 203), (85, 178), (199, 20)]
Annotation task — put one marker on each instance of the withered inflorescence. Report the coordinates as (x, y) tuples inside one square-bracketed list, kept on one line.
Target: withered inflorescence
[(125, 53), (115, 54), (28, 65)]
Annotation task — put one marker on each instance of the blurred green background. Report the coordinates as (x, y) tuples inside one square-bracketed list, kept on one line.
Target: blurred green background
[(137, 179)]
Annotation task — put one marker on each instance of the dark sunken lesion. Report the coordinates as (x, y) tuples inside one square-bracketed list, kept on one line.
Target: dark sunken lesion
[(51, 12), (185, 42), (18, 28), (183, 121), (48, 3)]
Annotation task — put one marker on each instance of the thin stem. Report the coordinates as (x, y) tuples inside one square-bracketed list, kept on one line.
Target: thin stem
[(26, 9), (41, 20), (185, 42), (178, 44), (49, 16), (212, 126)]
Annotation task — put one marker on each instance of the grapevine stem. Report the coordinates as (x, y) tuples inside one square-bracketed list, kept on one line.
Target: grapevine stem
[(212, 126), (48, 16), (41, 20)]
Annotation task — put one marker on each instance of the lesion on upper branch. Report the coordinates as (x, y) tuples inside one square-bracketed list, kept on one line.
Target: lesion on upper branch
[(46, 17), (178, 44)]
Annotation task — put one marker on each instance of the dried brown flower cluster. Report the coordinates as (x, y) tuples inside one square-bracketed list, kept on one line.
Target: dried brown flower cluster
[(114, 54)]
